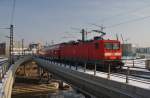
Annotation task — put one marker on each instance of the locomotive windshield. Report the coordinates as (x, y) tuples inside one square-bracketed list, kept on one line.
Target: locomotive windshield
[(112, 46)]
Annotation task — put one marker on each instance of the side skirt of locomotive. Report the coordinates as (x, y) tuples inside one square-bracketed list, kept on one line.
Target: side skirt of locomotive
[(100, 64), (90, 64)]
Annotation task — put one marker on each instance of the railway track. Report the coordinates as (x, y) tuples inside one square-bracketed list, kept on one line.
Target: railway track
[(132, 77), (136, 73)]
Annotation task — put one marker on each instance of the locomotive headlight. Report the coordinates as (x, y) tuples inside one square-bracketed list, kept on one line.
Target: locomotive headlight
[(117, 54), (107, 54)]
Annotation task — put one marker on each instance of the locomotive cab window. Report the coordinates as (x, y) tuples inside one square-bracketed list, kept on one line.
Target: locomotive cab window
[(112, 46), (108, 46), (96, 45), (116, 46)]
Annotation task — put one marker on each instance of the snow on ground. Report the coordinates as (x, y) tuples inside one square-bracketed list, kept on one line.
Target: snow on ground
[(139, 63), (135, 63), (112, 77), (138, 69)]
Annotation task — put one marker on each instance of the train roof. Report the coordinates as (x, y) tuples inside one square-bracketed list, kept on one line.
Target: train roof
[(88, 41), (57, 46)]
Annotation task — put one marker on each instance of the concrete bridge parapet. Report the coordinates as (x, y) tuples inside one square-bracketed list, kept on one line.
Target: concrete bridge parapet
[(98, 86), (9, 77)]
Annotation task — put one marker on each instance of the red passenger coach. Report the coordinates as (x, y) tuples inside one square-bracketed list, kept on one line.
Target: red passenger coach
[(52, 52), (99, 51)]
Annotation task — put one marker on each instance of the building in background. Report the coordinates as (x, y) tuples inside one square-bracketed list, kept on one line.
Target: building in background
[(143, 52), (35, 47), (2, 49), (132, 51), (127, 49), (19, 51), (26, 50)]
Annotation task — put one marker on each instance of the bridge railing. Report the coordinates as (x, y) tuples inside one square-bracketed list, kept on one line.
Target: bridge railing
[(135, 62), (8, 77), (3, 68), (126, 74)]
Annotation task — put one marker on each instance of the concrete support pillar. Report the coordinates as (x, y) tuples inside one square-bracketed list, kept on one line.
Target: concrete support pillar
[(38, 72), (24, 70), (61, 84)]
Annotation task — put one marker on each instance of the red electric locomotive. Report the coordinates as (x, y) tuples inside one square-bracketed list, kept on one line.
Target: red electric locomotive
[(99, 51)]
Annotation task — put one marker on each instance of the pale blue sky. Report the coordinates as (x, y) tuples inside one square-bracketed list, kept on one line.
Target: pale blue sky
[(46, 20)]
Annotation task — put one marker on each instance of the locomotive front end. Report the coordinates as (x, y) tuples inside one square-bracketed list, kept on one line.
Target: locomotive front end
[(112, 50), (113, 53)]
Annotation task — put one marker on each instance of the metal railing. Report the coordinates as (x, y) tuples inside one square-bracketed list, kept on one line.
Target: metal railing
[(109, 73), (3, 68), (134, 62)]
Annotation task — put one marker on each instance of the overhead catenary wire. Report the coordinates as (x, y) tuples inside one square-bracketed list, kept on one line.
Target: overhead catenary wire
[(124, 13), (121, 14), (129, 21)]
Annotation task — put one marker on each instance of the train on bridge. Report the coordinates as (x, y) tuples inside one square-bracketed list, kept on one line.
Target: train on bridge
[(100, 51)]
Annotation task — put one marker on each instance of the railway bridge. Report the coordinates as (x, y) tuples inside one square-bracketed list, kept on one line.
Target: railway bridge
[(99, 84)]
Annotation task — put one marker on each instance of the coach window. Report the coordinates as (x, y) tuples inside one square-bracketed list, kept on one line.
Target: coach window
[(96, 46)]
